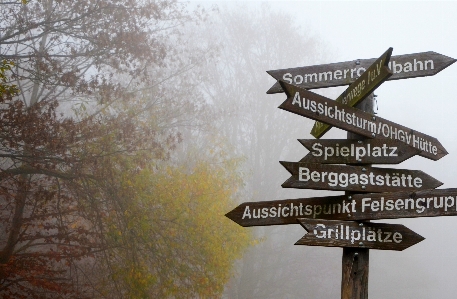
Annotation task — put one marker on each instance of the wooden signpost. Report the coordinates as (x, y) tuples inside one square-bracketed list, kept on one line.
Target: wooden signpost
[(347, 151), (335, 233), (398, 193), (344, 73)]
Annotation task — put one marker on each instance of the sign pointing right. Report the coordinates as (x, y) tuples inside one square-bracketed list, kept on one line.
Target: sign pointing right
[(374, 76), (361, 206), (335, 233), (314, 106), (355, 178), (344, 73)]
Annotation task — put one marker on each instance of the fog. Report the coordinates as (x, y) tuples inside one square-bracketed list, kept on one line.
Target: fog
[(130, 128), (344, 31)]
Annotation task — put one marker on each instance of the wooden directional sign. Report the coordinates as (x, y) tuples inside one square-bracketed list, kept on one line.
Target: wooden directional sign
[(347, 151), (355, 178), (368, 206), (309, 104), (335, 233), (344, 73), (374, 76)]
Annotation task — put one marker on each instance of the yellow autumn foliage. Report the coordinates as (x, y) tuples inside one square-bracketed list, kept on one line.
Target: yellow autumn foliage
[(173, 240)]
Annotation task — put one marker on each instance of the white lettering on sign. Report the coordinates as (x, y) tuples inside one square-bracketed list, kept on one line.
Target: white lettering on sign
[(420, 204), (357, 151), (412, 66), (406, 137), (346, 208), (344, 179), (352, 234), (396, 67), (299, 209), (370, 125)]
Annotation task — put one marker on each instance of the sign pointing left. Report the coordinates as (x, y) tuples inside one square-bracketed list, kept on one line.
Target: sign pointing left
[(335, 233)]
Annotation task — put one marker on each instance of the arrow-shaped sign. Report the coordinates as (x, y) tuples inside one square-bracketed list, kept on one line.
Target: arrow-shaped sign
[(347, 151), (309, 104), (374, 76), (335, 233), (371, 206), (344, 73), (355, 178)]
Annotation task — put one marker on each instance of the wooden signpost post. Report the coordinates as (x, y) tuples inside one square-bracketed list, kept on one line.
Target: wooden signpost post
[(397, 193)]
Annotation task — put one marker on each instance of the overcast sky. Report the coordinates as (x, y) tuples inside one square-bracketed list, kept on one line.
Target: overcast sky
[(366, 29)]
